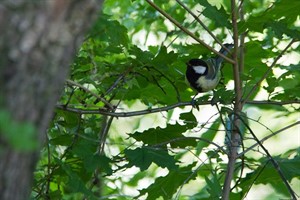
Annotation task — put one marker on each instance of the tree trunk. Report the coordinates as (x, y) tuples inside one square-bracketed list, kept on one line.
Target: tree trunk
[(38, 40)]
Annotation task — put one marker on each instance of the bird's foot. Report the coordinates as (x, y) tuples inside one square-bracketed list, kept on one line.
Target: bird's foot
[(194, 103)]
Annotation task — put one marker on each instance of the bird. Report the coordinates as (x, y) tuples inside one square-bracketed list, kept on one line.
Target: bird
[(204, 75)]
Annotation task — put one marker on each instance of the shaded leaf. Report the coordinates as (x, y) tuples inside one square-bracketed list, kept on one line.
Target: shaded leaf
[(145, 156), (167, 186), (172, 134)]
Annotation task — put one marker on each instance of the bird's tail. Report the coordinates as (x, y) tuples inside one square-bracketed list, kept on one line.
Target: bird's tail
[(223, 51)]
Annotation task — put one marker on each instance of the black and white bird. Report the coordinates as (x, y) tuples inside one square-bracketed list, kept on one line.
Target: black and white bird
[(204, 75)]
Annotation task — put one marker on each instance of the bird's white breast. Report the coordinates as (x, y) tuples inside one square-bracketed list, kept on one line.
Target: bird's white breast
[(207, 84)]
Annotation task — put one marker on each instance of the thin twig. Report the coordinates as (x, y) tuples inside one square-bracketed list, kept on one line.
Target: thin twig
[(106, 124), (202, 24), (70, 82), (169, 80), (267, 102), (176, 23), (268, 71), (275, 164), (117, 81), (195, 171), (251, 184), (199, 21), (48, 181), (267, 137), (190, 138)]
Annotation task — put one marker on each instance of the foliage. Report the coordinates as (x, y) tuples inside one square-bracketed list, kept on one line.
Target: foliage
[(127, 87)]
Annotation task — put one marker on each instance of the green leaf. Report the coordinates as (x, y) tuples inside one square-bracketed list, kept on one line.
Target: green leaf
[(286, 9), (163, 59), (75, 182), (267, 174), (214, 187), (209, 135), (63, 140), (167, 186), (110, 30), (280, 28), (84, 148), (143, 157), (144, 57), (223, 96), (190, 119), (253, 58), (93, 162), (290, 167), (218, 16), (272, 84), (191, 50), (172, 135)]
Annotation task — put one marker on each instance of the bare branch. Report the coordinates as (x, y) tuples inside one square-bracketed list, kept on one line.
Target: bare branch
[(267, 102), (155, 110), (125, 114)]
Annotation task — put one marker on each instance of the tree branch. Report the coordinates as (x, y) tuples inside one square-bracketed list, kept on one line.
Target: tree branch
[(125, 114), (160, 109), (235, 134)]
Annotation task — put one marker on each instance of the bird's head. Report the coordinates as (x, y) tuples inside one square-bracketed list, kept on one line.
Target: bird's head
[(198, 66)]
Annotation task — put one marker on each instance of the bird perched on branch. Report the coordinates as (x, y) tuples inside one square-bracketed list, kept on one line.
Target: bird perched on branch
[(204, 75)]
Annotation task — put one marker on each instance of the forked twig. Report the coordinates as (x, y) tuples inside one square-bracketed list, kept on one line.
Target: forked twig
[(275, 164), (267, 137)]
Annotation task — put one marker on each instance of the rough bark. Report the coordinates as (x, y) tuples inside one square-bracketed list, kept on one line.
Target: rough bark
[(38, 40)]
